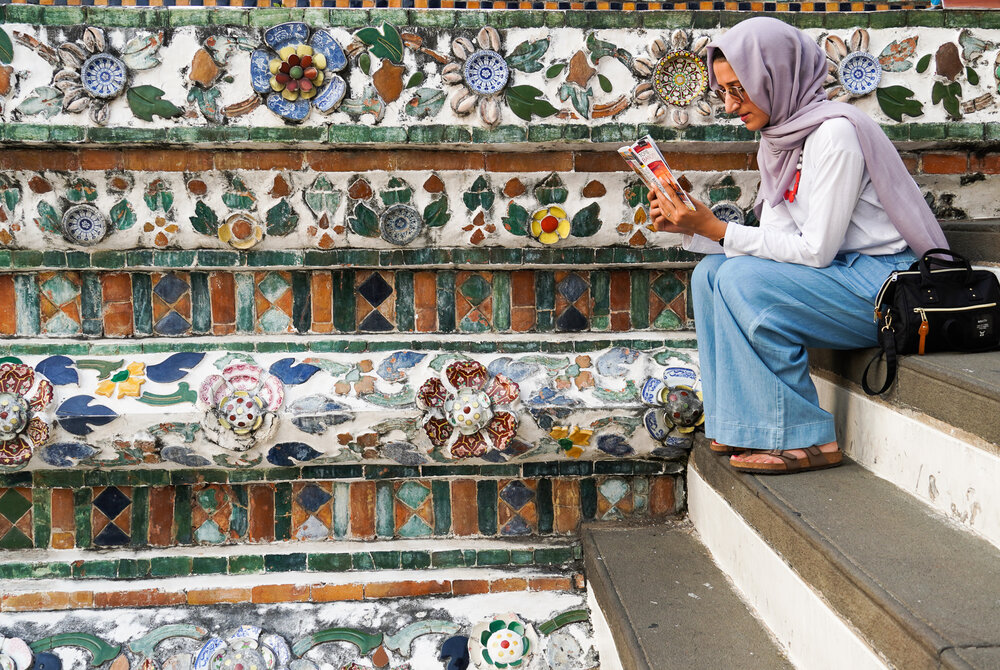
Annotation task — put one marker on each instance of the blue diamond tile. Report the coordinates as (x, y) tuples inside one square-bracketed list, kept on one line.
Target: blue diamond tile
[(111, 502), (170, 288), (172, 324), (517, 495), (313, 497), (375, 289), (111, 536), (516, 526), (572, 287), (375, 322)]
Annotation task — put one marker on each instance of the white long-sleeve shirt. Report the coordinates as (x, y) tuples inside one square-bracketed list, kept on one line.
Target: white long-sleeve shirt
[(836, 209)]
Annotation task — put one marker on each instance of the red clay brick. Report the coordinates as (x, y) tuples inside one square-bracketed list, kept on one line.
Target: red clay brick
[(661, 496), (956, 163), (425, 301), (167, 160), (101, 159), (161, 516), (621, 291), (280, 593), (707, 161), (116, 287), (362, 509), (261, 513), (118, 319), (38, 160), (508, 584), (143, 598), (349, 161), (988, 164), (47, 600), (407, 588), (216, 596), (8, 306), (464, 508), (579, 581), (336, 592), (437, 160), (322, 298), (912, 162), (551, 584), (566, 504), (542, 161), (599, 161), (464, 587), (280, 160), (222, 287)]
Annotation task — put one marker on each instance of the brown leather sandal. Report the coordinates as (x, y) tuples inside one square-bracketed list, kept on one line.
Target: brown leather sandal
[(719, 448), (815, 460)]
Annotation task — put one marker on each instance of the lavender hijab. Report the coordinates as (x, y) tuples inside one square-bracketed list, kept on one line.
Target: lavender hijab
[(783, 72)]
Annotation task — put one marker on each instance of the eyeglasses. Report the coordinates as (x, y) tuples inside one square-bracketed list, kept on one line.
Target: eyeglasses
[(735, 92)]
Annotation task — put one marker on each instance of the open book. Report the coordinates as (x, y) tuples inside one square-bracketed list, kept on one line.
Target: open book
[(645, 158)]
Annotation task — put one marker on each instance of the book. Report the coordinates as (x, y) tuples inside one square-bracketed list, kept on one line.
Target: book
[(645, 158)]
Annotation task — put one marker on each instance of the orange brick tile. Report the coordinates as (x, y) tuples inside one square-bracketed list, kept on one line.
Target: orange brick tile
[(464, 587), (321, 296), (48, 600), (988, 164), (143, 598), (216, 596), (161, 516), (551, 584), (566, 505), (166, 160), (508, 584), (464, 507), (280, 593), (349, 161), (8, 307), (62, 514), (37, 161), (661, 496), (425, 301), (542, 161), (707, 161), (101, 159), (336, 592), (579, 581), (63, 540), (956, 163), (407, 588), (116, 287), (261, 513), (362, 509), (118, 319), (438, 160), (912, 162), (599, 161), (222, 287)]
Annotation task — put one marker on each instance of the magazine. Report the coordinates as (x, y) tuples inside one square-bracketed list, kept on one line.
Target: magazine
[(645, 158)]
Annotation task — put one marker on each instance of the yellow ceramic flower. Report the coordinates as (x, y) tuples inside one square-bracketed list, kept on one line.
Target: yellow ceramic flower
[(297, 72), (241, 231), (572, 440), (128, 381), (549, 225)]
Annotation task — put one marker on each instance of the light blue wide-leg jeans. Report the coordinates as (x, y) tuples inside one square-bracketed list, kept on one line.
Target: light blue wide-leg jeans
[(755, 319)]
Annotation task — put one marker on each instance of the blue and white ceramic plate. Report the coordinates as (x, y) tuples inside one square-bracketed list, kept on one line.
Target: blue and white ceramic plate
[(84, 225), (486, 72), (860, 73), (400, 224), (729, 212), (104, 76)]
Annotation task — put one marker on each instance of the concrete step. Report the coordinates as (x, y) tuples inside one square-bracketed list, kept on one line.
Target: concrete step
[(668, 605), (910, 589), (934, 434)]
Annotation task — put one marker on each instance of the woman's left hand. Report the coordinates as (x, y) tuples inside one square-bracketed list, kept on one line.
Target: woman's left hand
[(669, 214)]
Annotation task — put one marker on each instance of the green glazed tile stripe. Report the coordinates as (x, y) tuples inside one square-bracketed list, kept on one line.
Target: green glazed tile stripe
[(27, 259), (561, 346), (183, 478)]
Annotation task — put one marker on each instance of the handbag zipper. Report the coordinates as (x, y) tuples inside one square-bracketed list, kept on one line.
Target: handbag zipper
[(925, 326)]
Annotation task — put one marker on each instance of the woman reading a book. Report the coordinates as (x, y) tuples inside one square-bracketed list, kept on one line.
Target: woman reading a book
[(838, 213)]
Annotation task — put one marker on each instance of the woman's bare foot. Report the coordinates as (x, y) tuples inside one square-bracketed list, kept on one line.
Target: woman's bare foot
[(754, 456)]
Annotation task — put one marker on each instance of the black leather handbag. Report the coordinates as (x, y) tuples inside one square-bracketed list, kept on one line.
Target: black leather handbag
[(938, 304)]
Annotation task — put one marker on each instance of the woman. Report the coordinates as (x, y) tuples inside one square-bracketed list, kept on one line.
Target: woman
[(838, 212)]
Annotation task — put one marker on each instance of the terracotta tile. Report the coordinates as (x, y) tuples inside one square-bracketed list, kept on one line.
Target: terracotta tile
[(349, 161), (46, 600), (321, 295), (464, 587), (222, 286), (508, 584), (464, 507), (63, 539), (543, 161), (33, 160), (436, 160), (912, 163), (407, 588), (261, 513), (707, 162), (599, 161), (116, 287), (566, 504), (522, 288), (621, 290), (140, 598), (951, 163), (621, 321), (989, 164), (62, 512), (522, 319), (279, 160), (280, 593), (335, 592), (101, 159), (216, 596), (167, 160), (362, 509), (161, 516), (579, 581), (661, 496), (8, 306), (425, 301), (551, 584)]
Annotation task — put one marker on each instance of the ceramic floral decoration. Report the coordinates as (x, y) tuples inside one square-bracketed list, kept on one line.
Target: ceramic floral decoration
[(678, 78), (676, 403), (299, 71), (21, 430), (480, 76), (550, 224), (127, 382), (15, 654), (466, 416), (245, 649), (853, 71), (504, 642), (243, 401)]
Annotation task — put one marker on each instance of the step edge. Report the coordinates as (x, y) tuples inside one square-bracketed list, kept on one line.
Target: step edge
[(630, 651), (926, 645)]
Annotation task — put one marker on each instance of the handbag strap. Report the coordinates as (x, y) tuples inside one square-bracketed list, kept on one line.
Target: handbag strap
[(932, 258), (888, 342)]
